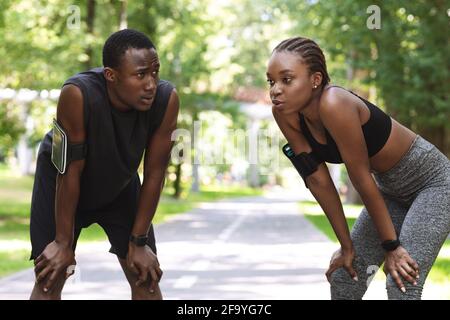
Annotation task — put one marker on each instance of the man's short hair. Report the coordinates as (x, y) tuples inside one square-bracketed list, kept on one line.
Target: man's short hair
[(119, 42)]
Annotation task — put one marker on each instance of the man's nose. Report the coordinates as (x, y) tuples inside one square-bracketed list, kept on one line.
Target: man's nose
[(150, 85)]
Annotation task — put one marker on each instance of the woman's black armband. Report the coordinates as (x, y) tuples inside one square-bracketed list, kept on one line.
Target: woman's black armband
[(305, 163)]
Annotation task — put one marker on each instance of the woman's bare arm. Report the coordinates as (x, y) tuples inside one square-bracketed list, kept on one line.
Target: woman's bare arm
[(319, 183), (341, 119)]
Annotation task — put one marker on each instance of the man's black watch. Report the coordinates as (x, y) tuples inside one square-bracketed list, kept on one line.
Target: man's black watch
[(390, 245), (139, 241)]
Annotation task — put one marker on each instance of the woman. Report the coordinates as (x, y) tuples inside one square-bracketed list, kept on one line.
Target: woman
[(406, 217)]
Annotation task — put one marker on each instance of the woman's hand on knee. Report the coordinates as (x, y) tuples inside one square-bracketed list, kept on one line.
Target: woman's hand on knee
[(399, 264), (342, 258)]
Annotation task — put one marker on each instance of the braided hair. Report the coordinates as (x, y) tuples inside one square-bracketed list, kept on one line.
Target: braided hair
[(310, 53), (119, 42)]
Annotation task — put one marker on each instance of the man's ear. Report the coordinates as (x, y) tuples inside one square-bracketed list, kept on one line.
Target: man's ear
[(110, 74)]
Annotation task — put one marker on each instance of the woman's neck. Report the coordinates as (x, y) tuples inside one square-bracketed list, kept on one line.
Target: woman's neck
[(311, 111)]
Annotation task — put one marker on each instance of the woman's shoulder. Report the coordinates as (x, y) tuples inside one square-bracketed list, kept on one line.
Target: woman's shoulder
[(336, 100)]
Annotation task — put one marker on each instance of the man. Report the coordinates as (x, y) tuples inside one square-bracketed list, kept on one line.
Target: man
[(87, 166)]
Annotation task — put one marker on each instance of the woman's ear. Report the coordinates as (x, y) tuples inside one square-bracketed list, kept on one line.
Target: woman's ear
[(316, 79)]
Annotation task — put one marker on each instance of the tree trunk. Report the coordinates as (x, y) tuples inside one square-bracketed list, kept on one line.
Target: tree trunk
[(437, 136), (195, 164), (123, 23), (253, 173), (177, 182), (90, 30), (195, 178), (24, 152)]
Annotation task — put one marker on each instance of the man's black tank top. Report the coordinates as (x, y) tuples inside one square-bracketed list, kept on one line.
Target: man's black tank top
[(376, 133), (116, 140)]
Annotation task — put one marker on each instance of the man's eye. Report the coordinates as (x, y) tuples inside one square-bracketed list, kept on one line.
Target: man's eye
[(141, 75), (155, 73), (270, 82), (287, 80)]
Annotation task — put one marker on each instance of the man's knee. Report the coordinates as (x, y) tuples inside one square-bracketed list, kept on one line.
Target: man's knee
[(143, 292), (38, 292), (54, 293), (343, 287)]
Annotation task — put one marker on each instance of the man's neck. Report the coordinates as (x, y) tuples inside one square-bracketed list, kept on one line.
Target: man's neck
[(115, 100)]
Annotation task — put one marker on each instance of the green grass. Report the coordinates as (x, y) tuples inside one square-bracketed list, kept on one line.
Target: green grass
[(15, 194), (12, 261), (314, 213), (10, 208), (14, 228), (214, 193), (15, 198), (440, 273), (14, 217), (321, 223)]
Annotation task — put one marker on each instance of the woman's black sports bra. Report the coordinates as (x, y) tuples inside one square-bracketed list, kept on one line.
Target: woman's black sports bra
[(376, 132)]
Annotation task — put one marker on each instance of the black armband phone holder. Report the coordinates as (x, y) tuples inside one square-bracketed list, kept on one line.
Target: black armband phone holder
[(64, 152), (305, 163)]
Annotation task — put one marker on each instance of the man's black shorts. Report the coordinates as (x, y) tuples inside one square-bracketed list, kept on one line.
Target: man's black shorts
[(116, 218)]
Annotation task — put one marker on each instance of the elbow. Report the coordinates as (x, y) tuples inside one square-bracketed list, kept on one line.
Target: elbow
[(71, 179), (153, 178), (317, 180), (361, 180)]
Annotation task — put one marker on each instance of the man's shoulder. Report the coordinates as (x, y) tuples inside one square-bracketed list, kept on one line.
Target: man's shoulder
[(163, 92), (94, 75), (165, 84)]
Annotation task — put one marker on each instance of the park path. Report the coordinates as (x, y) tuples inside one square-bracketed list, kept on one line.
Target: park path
[(247, 248)]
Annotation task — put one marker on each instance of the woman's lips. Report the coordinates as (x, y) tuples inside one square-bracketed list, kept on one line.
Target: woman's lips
[(277, 103)]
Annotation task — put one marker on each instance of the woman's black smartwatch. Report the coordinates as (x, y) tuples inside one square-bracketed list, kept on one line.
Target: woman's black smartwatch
[(139, 241), (390, 245)]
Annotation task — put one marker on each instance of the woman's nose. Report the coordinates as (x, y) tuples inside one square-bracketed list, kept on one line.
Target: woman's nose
[(275, 91)]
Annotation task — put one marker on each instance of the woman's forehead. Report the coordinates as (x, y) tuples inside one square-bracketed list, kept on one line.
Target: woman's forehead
[(284, 61)]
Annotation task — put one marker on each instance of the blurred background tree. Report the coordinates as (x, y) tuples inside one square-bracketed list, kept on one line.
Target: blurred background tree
[(212, 50), (215, 52)]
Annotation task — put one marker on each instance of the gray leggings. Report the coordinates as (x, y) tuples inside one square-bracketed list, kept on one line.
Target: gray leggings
[(417, 194)]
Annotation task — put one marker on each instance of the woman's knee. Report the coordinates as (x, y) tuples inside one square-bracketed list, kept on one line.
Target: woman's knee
[(413, 292), (343, 287)]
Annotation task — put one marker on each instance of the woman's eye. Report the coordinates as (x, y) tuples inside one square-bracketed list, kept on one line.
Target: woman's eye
[(141, 75), (270, 82), (287, 80), (155, 73)]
